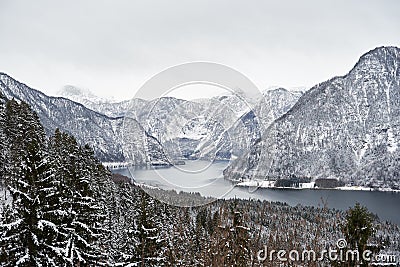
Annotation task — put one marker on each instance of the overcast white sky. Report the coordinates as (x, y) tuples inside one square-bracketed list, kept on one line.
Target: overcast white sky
[(113, 47)]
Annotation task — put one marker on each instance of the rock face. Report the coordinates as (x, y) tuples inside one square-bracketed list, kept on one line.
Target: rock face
[(253, 124), (101, 132), (346, 128), (276, 103), (190, 129), (211, 129)]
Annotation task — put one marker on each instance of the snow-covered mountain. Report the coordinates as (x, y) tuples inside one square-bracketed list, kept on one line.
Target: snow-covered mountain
[(103, 133), (216, 128), (109, 107), (277, 102), (252, 124), (190, 129), (347, 127), (83, 96)]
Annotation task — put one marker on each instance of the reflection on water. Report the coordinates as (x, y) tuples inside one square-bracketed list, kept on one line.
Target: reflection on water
[(195, 176)]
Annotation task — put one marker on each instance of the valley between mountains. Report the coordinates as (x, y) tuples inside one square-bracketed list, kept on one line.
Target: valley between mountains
[(345, 129)]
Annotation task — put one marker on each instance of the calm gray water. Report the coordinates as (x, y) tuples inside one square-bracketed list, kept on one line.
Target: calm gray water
[(207, 179)]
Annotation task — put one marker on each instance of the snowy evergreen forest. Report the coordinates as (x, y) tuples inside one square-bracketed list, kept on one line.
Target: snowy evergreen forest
[(61, 207)]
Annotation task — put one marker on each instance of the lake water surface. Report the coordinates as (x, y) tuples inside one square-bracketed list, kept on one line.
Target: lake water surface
[(207, 179)]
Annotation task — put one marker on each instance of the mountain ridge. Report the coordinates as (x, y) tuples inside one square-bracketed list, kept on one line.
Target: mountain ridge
[(48, 96), (346, 127), (100, 131)]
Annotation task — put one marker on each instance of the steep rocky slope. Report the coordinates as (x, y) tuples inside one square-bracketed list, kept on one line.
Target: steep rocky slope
[(347, 128)]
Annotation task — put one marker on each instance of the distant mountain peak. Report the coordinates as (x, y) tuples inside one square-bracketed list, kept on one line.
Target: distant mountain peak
[(74, 90), (82, 95), (279, 89)]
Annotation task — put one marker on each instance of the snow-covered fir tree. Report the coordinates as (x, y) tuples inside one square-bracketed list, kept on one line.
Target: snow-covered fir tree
[(56, 216), (150, 242), (28, 233), (80, 211)]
